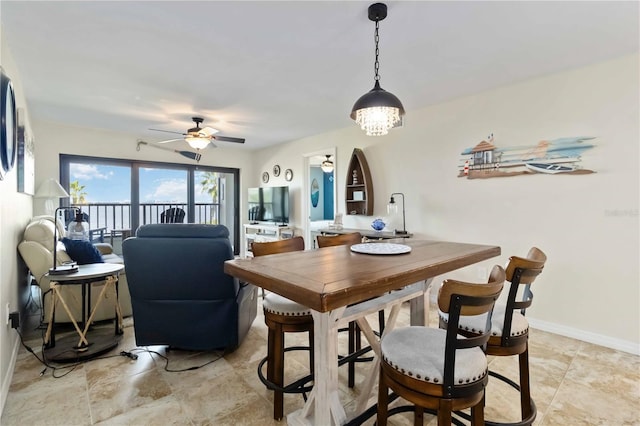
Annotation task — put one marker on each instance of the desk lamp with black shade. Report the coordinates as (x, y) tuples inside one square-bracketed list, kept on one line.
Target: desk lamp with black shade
[(67, 268)]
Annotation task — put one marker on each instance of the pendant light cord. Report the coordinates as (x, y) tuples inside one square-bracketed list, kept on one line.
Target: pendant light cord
[(376, 66)]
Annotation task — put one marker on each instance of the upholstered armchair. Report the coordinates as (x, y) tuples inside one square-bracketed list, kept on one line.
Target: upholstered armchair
[(180, 295), (36, 250)]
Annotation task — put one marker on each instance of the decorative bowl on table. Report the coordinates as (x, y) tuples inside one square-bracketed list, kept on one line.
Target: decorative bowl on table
[(378, 225)]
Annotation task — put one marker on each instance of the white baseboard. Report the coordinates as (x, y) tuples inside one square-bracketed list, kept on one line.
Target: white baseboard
[(586, 336), (6, 381)]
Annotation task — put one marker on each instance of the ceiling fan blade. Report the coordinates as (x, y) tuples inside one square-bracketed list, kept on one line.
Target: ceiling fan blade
[(228, 139), (188, 154), (208, 131), (171, 140), (167, 131)]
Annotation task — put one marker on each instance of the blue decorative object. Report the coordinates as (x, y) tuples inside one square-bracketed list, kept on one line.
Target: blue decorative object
[(315, 193), (378, 224)]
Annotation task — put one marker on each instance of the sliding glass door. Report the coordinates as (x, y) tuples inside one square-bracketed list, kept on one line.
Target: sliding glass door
[(163, 195), (121, 195)]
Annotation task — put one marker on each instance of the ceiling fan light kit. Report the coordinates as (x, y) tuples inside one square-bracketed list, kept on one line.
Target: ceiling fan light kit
[(377, 111), (197, 142)]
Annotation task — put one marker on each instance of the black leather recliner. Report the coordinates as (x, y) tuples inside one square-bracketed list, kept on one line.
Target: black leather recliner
[(180, 295)]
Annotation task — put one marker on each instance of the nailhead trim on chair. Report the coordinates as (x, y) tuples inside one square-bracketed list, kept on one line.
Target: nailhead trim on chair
[(279, 305), (418, 352)]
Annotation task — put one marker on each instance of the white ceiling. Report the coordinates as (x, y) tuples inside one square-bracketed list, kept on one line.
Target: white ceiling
[(277, 71)]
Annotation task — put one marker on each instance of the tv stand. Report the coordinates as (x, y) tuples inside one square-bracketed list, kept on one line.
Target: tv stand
[(261, 232)]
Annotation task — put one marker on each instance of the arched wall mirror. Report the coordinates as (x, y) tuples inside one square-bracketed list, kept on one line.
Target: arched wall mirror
[(320, 192)]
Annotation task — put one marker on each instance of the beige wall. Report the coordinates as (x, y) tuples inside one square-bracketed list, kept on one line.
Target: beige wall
[(587, 225), (15, 211)]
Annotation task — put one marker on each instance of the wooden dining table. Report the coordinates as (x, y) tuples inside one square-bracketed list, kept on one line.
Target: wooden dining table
[(340, 285)]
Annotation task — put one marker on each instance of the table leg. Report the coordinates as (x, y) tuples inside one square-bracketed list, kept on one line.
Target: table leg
[(49, 336), (420, 306), (323, 406), (109, 282), (372, 377), (83, 340), (119, 320)]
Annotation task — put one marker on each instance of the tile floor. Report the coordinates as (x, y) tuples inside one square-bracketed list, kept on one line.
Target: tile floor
[(573, 383)]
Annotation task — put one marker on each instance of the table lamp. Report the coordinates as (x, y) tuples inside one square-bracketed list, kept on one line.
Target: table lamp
[(50, 189), (66, 268), (78, 228), (392, 207)]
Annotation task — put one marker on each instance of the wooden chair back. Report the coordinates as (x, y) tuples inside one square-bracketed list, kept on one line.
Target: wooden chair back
[(279, 246), (458, 298), (339, 240), (520, 271)]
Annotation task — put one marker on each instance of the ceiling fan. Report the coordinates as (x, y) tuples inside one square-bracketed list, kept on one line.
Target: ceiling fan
[(200, 137)]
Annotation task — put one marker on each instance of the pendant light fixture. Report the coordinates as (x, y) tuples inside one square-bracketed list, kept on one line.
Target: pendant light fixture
[(327, 165), (377, 111)]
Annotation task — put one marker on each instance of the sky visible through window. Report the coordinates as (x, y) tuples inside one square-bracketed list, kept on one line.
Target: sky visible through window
[(112, 184)]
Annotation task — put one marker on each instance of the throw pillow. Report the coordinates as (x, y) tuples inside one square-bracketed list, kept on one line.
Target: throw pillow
[(83, 252)]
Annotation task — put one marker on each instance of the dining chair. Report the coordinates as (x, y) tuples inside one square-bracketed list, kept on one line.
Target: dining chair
[(510, 328), (281, 316), (355, 337), (438, 369)]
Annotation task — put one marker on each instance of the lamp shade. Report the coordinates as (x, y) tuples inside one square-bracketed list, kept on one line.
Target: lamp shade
[(392, 208), (50, 188), (377, 111), (78, 229), (197, 142)]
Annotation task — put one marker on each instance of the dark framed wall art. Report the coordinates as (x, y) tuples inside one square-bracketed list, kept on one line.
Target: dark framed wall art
[(26, 158), (8, 124)]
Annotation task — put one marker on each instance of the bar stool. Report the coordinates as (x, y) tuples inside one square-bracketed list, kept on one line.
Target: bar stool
[(510, 328), (282, 315), (438, 369), (355, 338)]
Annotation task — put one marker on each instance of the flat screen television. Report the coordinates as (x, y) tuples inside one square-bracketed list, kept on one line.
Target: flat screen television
[(269, 204)]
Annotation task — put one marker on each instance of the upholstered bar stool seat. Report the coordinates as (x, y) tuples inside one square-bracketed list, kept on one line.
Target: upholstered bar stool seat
[(417, 352), (278, 305)]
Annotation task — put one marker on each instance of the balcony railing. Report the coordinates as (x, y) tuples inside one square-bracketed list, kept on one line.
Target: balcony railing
[(118, 216)]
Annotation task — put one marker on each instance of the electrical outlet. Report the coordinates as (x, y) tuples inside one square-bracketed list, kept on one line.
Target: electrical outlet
[(7, 312), (14, 319)]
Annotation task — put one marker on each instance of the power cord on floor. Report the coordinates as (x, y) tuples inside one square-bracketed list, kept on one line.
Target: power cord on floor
[(218, 356), (70, 367), (44, 362), (129, 354)]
